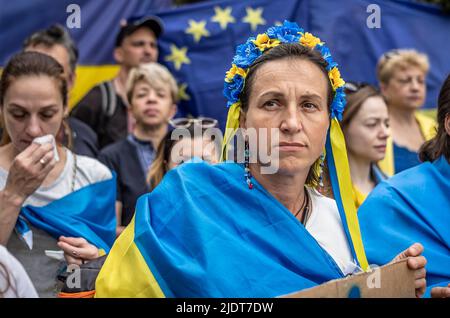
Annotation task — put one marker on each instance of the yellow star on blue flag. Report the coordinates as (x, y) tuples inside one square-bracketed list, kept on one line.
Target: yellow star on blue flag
[(223, 17), (178, 56), (254, 17), (197, 29)]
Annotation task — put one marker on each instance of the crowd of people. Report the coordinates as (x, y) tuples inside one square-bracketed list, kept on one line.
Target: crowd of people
[(179, 217)]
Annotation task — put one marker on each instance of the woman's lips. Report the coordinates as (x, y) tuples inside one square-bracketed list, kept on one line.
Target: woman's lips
[(291, 146)]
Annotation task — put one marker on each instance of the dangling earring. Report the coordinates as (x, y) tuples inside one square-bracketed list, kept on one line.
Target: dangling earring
[(321, 164), (248, 175)]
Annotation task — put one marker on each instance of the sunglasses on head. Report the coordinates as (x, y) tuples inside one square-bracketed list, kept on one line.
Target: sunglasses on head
[(353, 87), (204, 122)]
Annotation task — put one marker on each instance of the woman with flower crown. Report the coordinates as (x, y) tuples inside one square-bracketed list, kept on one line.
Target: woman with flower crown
[(238, 230)]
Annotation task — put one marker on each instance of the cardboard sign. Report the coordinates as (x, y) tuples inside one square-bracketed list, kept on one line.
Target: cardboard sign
[(394, 280)]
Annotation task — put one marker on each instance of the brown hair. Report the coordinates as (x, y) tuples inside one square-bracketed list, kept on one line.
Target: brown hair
[(289, 51), (440, 144), (160, 165), (30, 64), (355, 100)]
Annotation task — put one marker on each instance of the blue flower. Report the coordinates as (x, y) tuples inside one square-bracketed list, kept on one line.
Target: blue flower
[(338, 105), (232, 90), (289, 32), (325, 51), (246, 54)]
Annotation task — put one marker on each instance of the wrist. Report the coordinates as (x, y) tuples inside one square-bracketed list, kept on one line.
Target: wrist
[(12, 198)]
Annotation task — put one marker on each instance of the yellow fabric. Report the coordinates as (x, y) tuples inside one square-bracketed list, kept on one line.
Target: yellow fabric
[(345, 188), (125, 272), (89, 76), (427, 128), (230, 129), (358, 197)]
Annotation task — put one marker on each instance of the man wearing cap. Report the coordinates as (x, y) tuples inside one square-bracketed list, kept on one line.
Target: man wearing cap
[(105, 107)]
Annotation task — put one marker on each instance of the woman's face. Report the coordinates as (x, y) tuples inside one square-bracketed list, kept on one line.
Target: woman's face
[(406, 88), (33, 107), (187, 148), (289, 95), (367, 132), (152, 106)]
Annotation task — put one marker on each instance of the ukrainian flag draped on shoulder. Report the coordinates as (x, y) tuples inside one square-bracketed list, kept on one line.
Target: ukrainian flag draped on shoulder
[(203, 233), (413, 206), (88, 212)]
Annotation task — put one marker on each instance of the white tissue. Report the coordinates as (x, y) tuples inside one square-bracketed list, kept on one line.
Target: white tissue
[(58, 255), (48, 139)]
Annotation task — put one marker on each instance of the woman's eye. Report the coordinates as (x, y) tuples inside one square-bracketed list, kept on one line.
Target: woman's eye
[(18, 115), (270, 104), (309, 106), (141, 95), (47, 115)]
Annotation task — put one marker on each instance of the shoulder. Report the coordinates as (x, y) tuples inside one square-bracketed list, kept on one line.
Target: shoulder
[(116, 148), (81, 128), (427, 124), (322, 202), (94, 170), (116, 152)]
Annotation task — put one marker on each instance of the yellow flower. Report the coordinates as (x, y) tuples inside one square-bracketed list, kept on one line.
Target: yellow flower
[(309, 40), (263, 42), (233, 71), (335, 78)]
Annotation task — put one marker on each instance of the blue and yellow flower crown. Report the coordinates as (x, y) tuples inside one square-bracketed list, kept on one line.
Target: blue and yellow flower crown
[(289, 32)]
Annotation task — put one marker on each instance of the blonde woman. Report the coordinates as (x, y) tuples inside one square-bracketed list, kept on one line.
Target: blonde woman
[(402, 77)]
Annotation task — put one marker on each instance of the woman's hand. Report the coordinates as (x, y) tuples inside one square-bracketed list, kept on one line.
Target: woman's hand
[(28, 171), (417, 263), (77, 250), (440, 292)]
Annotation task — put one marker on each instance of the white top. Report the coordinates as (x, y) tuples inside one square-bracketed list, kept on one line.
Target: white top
[(88, 171), (13, 276), (325, 225)]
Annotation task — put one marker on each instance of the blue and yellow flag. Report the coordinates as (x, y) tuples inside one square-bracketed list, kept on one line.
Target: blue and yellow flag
[(200, 39), (203, 233), (413, 206), (88, 213)]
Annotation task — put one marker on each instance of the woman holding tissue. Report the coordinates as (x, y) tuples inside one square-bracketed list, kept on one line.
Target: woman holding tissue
[(50, 198)]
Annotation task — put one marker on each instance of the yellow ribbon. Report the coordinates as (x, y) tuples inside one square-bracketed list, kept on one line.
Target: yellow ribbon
[(230, 128), (345, 189)]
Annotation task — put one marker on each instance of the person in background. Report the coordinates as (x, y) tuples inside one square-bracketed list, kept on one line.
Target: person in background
[(365, 125), (56, 42), (402, 78), (414, 205), (105, 107), (202, 147), (152, 95), (54, 204)]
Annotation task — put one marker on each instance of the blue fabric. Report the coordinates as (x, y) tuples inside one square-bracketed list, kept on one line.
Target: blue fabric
[(413, 206), (204, 233), (404, 158), (377, 174), (88, 212), (145, 152), (341, 24)]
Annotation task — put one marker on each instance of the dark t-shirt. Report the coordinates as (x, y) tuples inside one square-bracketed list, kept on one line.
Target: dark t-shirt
[(105, 112), (84, 138), (122, 157)]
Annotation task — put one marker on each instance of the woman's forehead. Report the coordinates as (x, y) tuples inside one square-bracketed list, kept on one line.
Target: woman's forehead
[(289, 74)]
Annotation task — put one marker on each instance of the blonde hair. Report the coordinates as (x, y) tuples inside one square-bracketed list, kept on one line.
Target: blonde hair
[(156, 75), (400, 59)]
